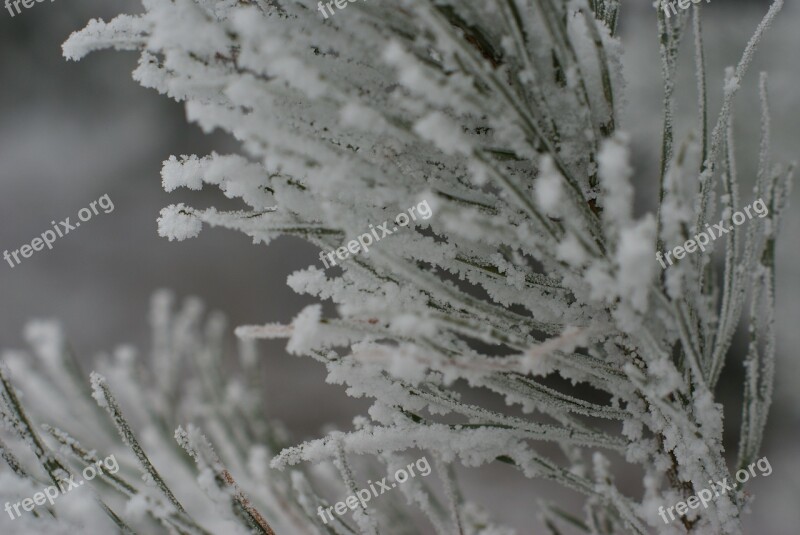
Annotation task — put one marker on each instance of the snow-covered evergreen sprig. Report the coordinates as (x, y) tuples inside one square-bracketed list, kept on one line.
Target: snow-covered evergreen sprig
[(502, 116)]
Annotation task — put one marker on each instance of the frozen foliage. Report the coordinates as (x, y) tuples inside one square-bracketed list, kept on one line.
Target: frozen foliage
[(210, 476), (533, 281)]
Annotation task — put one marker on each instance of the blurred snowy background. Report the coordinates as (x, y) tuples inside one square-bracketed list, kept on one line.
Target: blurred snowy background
[(71, 132)]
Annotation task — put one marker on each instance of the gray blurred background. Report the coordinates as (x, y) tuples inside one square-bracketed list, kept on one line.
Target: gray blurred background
[(71, 132)]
